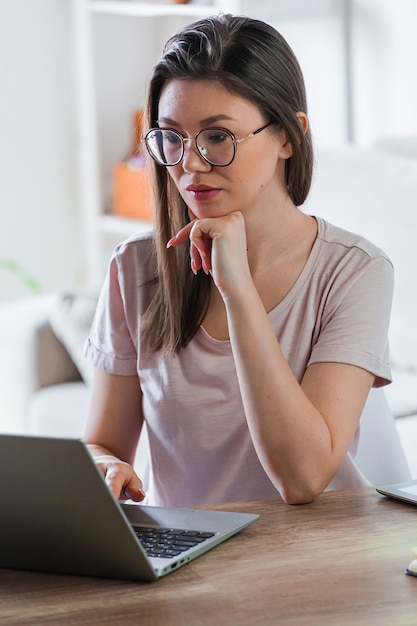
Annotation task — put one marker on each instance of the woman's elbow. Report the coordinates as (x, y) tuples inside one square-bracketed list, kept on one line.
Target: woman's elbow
[(290, 498), (304, 493)]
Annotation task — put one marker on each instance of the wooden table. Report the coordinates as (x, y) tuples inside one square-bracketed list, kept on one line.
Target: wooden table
[(339, 560)]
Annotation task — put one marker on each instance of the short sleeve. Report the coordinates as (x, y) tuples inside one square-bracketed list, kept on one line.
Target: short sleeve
[(356, 319), (113, 342)]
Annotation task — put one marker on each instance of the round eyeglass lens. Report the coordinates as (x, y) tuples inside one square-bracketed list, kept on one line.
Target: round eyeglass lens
[(216, 145), (165, 146)]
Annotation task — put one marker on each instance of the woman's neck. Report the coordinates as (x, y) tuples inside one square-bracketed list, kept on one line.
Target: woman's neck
[(282, 234)]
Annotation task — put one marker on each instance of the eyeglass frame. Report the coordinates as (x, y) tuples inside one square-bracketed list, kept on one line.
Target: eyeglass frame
[(184, 139)]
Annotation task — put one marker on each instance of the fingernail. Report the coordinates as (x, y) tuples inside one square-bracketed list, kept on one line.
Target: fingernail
[(170, 242)]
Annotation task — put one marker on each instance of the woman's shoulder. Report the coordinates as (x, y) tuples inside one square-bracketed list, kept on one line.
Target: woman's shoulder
[(338, 240), (141, 242), (137, 254)]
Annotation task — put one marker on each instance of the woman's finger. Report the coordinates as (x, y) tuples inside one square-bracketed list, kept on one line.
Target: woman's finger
[(196, 262), (122, 481), (134, 489), (181, 237), (200, 247), (201, 241)]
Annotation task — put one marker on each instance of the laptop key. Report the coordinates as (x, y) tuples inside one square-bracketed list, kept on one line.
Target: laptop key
[(169, 542)]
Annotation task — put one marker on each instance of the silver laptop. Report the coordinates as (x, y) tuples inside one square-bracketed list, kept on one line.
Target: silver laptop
[(57, 515), (405, 491)]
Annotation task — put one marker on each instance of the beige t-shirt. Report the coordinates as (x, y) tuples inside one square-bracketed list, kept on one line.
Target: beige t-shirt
[(201, 451)]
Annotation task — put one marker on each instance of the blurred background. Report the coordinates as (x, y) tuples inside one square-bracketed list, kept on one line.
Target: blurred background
[(65, 72)]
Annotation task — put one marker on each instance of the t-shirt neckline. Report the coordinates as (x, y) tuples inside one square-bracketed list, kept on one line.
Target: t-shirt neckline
[(292, 293)]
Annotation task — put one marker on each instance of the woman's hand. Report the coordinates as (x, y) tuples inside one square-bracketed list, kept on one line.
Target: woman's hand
[(218, 246), (120, 477)]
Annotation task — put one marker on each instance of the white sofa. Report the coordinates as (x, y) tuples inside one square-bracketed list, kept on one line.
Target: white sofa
[(45, 381), (42, 390)]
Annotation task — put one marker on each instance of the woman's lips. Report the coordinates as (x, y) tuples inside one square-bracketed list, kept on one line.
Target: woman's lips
[(202, 192)]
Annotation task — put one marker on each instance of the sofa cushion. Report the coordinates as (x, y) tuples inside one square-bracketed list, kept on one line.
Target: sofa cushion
[(31, 357), (59, 410), (71, 316)]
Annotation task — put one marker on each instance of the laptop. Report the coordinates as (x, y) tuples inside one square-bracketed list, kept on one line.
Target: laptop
[(405, 491), (58, 515)]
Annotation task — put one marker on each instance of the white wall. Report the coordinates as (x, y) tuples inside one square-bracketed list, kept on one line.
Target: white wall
[(38, 218), (384, 63), (383, 58), (324, 74)]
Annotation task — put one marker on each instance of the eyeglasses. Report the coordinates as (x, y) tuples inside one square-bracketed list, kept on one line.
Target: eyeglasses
[(217, 146)]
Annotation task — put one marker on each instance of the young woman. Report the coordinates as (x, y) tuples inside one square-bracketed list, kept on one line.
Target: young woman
[(244, 333)]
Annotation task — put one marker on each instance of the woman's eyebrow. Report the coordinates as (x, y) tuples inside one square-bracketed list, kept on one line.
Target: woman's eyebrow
[(208, 120), (217, 118)]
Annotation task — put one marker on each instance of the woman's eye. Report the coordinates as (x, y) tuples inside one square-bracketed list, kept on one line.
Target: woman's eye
[(217, 137), (172, 139)]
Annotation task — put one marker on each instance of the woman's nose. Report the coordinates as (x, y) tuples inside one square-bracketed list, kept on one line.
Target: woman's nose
[(192, 159)]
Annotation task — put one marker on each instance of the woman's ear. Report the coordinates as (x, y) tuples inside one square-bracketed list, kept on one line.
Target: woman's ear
[(303, 119), (286, 148)]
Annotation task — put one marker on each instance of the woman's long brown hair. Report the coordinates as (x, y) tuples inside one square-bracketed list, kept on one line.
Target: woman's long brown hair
[(252, 60)]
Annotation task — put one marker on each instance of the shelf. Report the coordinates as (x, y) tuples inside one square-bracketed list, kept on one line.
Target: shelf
[(117, 43), (132, 8)]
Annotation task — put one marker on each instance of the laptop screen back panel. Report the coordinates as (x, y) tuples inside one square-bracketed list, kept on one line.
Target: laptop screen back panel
[(72, 524)]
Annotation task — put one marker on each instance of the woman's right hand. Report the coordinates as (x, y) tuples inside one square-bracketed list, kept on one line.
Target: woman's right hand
[(218, 245), (120, 477)]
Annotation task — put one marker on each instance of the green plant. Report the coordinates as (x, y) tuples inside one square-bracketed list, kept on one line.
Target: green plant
[(30, 281)]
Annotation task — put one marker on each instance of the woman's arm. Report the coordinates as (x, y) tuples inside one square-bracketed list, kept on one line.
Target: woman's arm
[(301, 432), (113, 427)]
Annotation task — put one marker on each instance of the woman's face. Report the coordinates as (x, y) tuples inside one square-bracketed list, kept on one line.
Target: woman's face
[(256, 174)]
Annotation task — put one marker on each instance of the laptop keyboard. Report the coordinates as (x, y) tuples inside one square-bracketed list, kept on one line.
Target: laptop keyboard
[(169, 542)]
